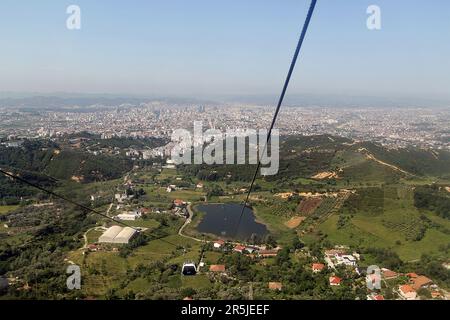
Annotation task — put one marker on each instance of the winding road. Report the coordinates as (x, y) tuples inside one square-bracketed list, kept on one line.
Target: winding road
[(188, 220)]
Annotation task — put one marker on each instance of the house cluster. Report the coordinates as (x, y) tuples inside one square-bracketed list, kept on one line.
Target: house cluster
[(332, 280), (340, 256), (250, 250), (409, 290), (146, 154), (179, 208), (12, 144), (410, 284), (123, 197)]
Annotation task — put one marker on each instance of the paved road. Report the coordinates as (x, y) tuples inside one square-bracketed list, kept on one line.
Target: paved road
[(85, 235), (188, 220)]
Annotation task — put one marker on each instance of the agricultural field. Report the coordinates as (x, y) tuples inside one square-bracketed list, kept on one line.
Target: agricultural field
[(395, 224), (308, 206)]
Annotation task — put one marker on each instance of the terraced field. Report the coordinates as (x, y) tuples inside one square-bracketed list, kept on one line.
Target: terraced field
[(307, 206), (398, 225), (328, 206), (410, 227)]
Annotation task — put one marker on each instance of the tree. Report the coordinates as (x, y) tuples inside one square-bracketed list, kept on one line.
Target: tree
[(296, 243), (215, 190), (188, 292), (283, 256), (270, 240)]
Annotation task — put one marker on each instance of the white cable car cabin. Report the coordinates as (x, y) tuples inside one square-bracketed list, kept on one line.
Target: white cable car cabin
[(189, 269)]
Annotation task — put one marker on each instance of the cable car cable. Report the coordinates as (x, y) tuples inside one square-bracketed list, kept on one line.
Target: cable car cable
[(280, 101), (63, 198), (82, 206)]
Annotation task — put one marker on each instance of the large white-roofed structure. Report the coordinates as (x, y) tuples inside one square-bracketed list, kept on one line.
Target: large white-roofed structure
[(109, 235), (125, 235), (116, 234)]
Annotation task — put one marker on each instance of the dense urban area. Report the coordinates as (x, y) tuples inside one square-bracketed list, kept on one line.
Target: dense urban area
[(393, 127)]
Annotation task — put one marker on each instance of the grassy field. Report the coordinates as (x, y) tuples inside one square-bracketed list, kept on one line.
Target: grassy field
[(93, 235), (275, 224), (6, 209), (198, 282), (145, 223), (167, 174), (212, 257)]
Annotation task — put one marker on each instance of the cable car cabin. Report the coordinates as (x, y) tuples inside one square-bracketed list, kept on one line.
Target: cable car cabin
[(189, 269)]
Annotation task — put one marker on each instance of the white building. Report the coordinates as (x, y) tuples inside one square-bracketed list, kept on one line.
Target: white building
[(129, 216), (109, 235), (171, 188), (125, 235), (116, 234)]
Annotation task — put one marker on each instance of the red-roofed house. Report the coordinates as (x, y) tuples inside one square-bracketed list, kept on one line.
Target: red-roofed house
[(335, 281), (217, 268), (389, 274), (92, 247), (219, 243), (412, 275), (239, 248), (377, 297), (275, 286), (407, 292), (420, 282), (317, 267), (179, 202)]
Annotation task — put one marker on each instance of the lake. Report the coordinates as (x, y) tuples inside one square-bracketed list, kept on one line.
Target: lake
[(222, 220)]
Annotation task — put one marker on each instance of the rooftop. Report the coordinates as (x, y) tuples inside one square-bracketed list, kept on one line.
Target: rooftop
[(275, 285), (217, 268)]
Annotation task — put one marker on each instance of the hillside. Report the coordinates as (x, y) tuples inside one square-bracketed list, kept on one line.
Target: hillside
[(45, 158)]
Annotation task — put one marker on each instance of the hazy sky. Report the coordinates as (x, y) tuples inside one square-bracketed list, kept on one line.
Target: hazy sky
[(207, 47)]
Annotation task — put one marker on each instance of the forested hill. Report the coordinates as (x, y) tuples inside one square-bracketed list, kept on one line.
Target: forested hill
[(307, 156), (48, 159)]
